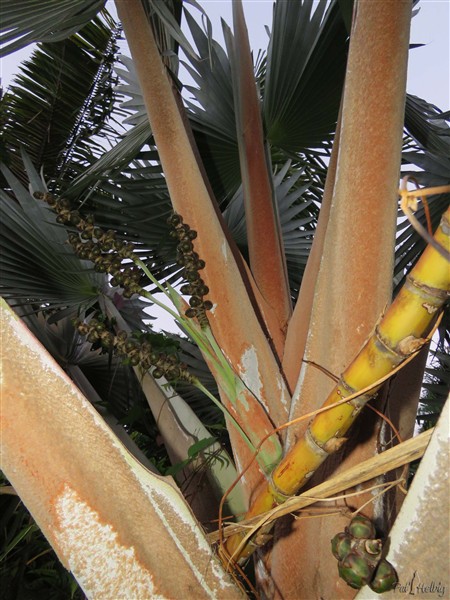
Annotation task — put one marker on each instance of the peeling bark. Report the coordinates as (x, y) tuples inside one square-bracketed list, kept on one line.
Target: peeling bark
[(118, 527)]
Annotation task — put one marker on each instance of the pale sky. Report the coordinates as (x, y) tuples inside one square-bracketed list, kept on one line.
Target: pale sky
[(429, 66)]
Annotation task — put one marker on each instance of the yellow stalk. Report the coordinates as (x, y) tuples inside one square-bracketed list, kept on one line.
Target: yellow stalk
[(391, 459), (397, 336)]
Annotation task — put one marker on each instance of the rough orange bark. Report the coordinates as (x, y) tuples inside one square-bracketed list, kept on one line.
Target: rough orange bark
[(355, 274), (93, 501), (233, 319), (266, 249)]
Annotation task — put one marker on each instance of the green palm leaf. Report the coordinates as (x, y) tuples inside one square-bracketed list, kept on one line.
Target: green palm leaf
[(37, 265), (430, 162), (305, 73), (27, 21), (126, 149), (212, 113), (426, 124), (63, 96)]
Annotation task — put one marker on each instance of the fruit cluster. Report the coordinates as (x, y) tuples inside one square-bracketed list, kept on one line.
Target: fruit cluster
[(99, 246), (359, 554), (137, 352), (192, 264)]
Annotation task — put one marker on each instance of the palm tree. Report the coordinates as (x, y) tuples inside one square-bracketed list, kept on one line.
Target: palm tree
[(285, 232)]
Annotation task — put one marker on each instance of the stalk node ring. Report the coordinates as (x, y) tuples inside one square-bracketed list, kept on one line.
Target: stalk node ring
[(279, 496)]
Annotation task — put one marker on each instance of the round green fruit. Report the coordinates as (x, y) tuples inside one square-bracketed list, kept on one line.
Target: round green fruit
[(361, 528), (341, 545), (355, 570), (385, 577)]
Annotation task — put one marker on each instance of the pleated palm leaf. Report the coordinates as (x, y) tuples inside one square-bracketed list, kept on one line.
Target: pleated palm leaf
[(54, 107)]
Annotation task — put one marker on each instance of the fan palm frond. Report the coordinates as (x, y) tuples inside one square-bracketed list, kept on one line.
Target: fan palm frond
[(306, 59), (62, 97), (37, 265), (427, 125), (28, 21), (429, 166)]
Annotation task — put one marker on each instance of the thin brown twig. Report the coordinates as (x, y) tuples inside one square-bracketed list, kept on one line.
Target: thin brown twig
[(399, 438), (331, 375), (408, 205), (392, 458), (308, 416), (389, 485)]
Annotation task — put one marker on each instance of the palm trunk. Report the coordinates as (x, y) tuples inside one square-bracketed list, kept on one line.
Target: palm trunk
[(357, 256), (234, 321), (419, 540)]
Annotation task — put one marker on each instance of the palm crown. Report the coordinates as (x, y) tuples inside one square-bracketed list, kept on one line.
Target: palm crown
[(263, 137)]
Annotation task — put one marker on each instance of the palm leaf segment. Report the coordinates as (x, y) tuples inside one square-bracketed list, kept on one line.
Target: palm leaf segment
[(37, 265), (63, 96), (28, 21), (425, 158), (213, 121), (306, 59)]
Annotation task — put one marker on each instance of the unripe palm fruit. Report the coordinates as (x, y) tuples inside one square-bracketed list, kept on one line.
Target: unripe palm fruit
[(173, 373), (355, 570), (341, 545), (75, 217), (92, 337), (64, 203), (385, 577), (361, 527), (191, 276), (174, 220), (195, 301), (83, 329), (202, 290), (185, 246), (373, 547)]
